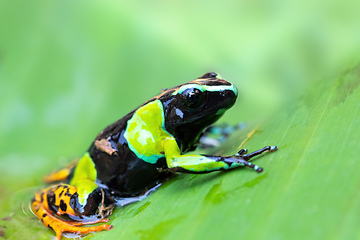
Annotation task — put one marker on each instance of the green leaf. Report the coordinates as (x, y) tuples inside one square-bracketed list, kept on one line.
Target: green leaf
[(309, 187), (70, 68)]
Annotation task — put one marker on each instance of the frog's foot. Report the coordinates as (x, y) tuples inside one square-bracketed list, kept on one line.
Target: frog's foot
[(44, 206), (244, 158), (247, 157), (104, 212), (60, 226)]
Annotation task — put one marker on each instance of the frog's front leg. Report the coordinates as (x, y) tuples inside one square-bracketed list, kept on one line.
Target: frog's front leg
[(62, 201), (243, 158), (178, 162)]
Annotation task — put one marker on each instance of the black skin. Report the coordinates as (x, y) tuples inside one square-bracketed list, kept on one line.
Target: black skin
[(186, 112), (127, 175), (186, 117)]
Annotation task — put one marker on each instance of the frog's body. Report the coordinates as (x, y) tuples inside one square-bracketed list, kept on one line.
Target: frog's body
[(138, 152)]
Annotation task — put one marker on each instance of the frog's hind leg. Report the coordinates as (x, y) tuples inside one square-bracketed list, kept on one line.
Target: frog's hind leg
[(57, 201), (62, 174)]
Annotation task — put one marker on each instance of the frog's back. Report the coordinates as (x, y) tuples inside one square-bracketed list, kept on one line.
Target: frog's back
[(118, 167)]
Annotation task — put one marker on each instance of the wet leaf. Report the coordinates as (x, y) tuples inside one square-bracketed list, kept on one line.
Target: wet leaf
[(310, 181), (67, 70)]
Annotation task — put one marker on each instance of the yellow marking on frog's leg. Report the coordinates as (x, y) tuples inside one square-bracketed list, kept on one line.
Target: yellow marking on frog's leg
[(84, 178), (62, 174), (145, 132), (59, 196), (190, 162)]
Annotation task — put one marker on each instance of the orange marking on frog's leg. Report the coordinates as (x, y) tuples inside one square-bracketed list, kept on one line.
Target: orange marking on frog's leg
[(62, 174), (61, 194)]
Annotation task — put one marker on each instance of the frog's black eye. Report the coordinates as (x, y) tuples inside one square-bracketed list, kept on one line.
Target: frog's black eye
[(193, 97), (209, 75)]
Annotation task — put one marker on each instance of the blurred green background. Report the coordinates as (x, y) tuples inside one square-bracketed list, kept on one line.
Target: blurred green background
[(69, 68)]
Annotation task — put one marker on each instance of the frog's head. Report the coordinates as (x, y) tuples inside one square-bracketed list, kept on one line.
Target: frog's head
[(191, 107)]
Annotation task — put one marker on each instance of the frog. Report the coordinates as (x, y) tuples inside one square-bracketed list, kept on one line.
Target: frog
[(137, 153)]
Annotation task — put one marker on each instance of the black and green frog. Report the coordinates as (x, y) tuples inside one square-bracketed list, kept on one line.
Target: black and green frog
[(138, 152)]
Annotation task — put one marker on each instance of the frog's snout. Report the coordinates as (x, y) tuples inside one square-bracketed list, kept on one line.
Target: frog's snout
[(230, 97)]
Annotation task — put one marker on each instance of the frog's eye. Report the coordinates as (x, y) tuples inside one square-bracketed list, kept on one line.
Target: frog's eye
[(193, 97), (209, 75)]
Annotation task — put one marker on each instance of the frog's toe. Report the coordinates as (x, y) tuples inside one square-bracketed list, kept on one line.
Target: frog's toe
[(60, 229), (241, 152)]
